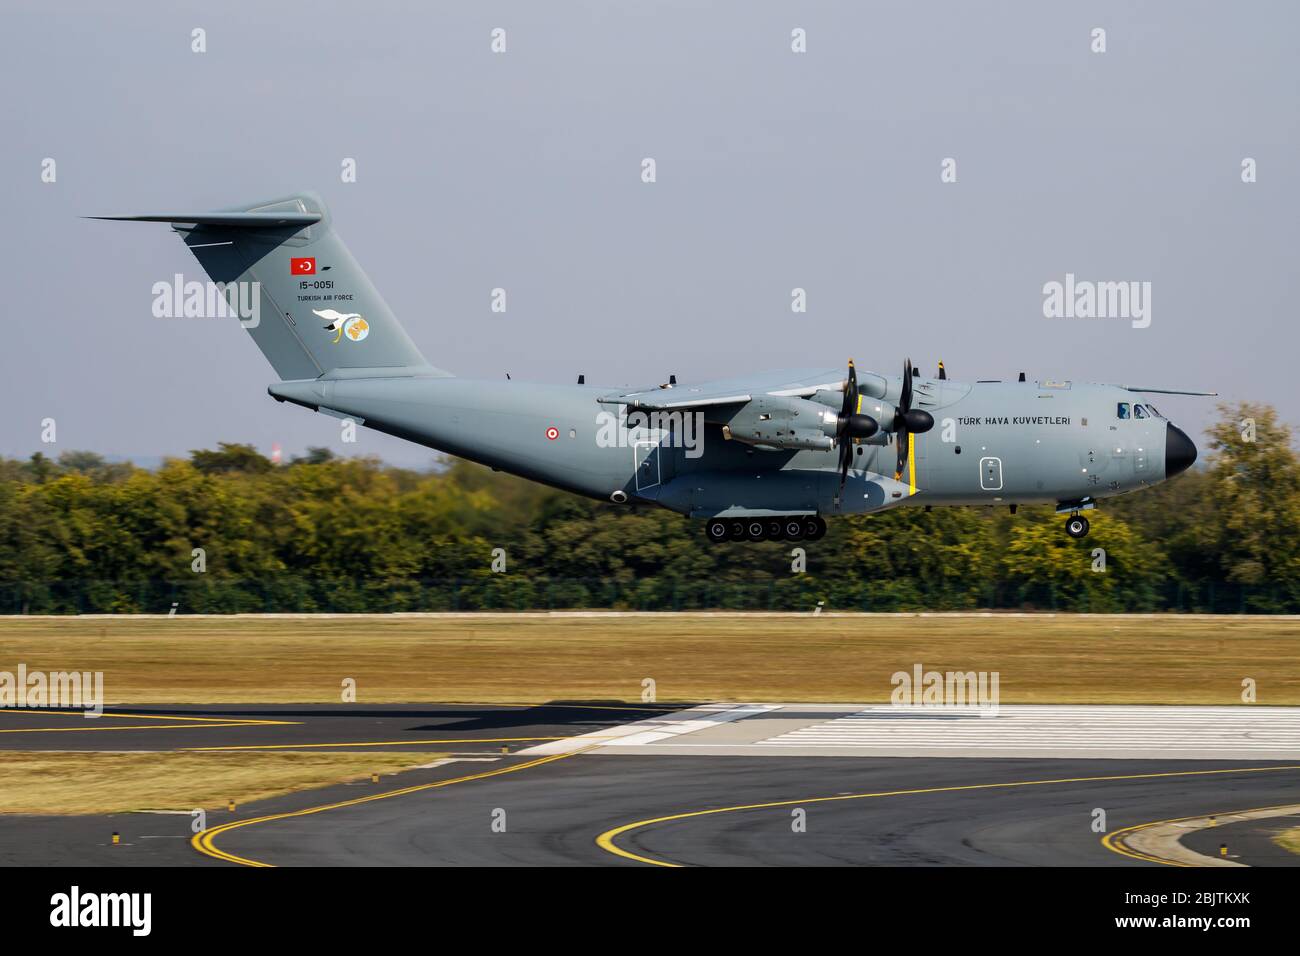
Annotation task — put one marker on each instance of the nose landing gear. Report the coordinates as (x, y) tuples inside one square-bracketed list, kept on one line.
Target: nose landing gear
[(790, 528), (1076, 526)]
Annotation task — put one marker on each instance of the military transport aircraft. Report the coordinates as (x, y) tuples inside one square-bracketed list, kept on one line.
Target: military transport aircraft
[(762, 456)]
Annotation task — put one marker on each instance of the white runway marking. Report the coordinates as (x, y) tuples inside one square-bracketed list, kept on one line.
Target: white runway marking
[(1240, 730), (642, 732), (1100, 731)]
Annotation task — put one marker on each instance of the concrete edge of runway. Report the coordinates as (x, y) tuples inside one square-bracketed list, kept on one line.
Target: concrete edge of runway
[(1161, 841)]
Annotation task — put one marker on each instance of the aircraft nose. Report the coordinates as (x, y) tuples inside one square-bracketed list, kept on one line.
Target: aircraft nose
[(1179, 451)]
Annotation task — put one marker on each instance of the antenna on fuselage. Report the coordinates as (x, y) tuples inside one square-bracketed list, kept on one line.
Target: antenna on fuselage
[(943, 374), (582, 380)]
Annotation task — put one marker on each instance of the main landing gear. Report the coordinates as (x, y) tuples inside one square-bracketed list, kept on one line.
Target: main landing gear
[(1076, 526), (790, 528)]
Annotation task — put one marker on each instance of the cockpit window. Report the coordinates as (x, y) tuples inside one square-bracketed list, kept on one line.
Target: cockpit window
[(1155, 413), (1139, 411), (1121, 410)]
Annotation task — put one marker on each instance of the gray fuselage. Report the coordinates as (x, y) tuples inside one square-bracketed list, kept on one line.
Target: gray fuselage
[(992, 443)]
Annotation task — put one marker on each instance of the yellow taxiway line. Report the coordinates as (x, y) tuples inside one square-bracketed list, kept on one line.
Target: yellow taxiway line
[(606, 840), (374, 743), (182, 722), (203, 841)]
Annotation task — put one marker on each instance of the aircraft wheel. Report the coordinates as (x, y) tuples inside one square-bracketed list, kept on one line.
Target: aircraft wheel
[(794, 530), (716, 531), (756, 530), (814, 529), (774, 529), (735, 531), (1076, 526)]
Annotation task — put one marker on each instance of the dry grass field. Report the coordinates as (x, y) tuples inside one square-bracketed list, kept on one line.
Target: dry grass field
[(1289, 840), (538, 658), (66, 782)]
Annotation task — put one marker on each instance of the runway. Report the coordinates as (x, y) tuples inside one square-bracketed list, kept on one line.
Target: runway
[(615, 784), (1017, 730)]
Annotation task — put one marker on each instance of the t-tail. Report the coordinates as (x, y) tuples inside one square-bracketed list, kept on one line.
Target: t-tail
[(316, 311)]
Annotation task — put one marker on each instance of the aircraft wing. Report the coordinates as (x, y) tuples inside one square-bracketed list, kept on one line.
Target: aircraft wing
[(798, 383), (1164, 391)]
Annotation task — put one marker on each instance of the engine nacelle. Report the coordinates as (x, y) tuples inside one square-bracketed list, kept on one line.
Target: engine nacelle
[(776, 421)]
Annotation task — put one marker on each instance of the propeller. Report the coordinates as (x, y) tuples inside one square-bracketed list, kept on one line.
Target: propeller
[(851, 424), (908, 421)]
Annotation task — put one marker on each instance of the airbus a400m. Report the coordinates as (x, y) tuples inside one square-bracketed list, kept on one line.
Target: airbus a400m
[(760, 456)]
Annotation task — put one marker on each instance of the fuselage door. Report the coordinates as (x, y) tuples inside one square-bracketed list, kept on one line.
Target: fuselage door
[(991, 474), (646, 460)]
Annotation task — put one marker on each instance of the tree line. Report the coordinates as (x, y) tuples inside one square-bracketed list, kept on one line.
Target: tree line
[(227, 530)]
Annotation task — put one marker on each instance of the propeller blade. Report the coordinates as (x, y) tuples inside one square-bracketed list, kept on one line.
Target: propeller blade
[(845, 427), (908, 420), (850, 404)]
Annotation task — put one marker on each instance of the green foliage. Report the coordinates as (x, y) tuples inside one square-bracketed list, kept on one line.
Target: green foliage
[(329, 534), (1050, 569), (231, 457)]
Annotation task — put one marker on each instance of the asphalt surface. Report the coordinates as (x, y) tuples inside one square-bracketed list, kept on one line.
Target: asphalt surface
[(486, 809), (554, 813), (1250, 841), (462, 727)]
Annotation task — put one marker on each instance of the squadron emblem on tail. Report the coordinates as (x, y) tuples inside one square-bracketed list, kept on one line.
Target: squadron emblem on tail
[(350, 324)]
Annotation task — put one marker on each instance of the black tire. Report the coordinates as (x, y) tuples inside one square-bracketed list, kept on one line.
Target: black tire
[(1076, 526), (717, 531), (774, 530), (814, 529), (735, 531), (794, 529), (755, 529)]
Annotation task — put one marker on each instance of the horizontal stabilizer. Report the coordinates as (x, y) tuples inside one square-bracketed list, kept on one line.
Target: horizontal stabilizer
[(238, 220)]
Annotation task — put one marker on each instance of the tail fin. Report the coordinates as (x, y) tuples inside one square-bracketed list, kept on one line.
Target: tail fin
[(317, 310)]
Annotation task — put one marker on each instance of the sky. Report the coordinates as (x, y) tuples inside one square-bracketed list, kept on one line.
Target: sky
[(775, 170)]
